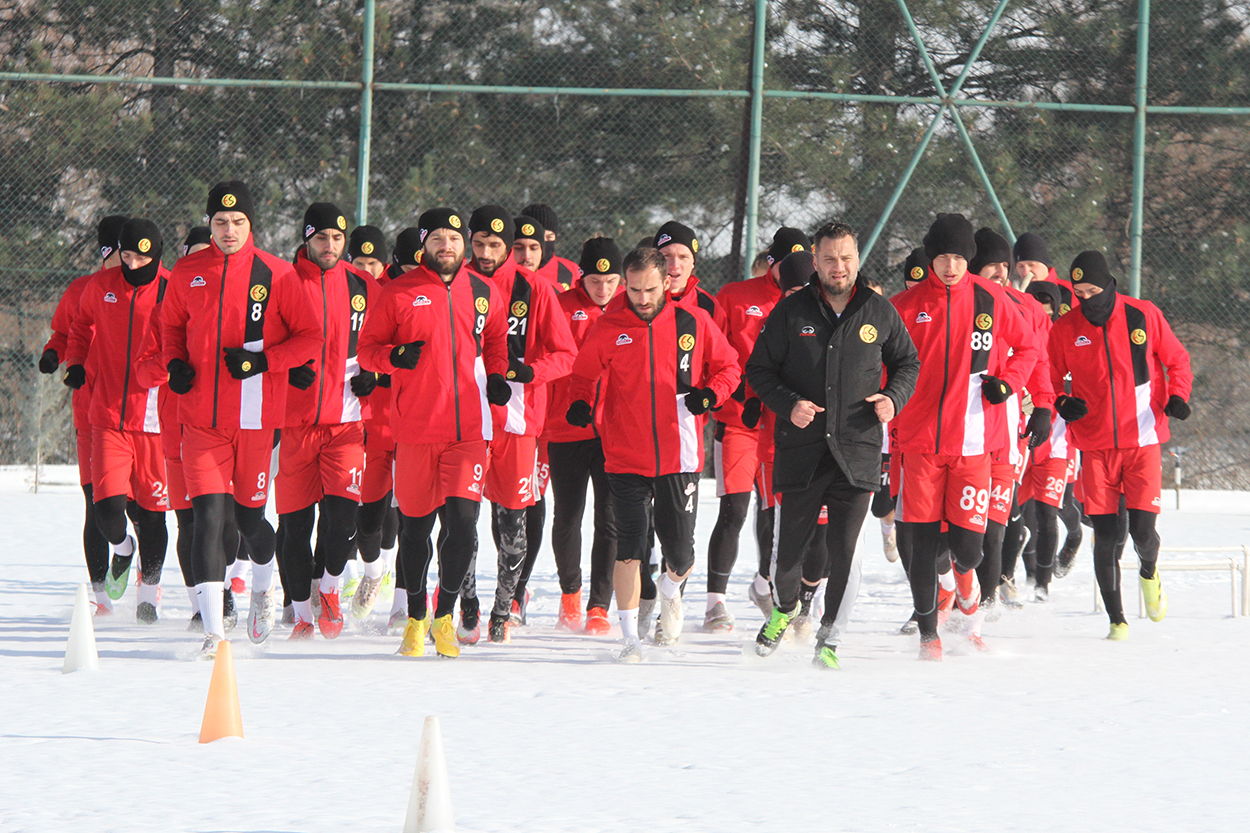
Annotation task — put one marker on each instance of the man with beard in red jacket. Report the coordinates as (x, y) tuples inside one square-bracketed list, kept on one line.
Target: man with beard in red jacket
[(127, 469), (1129, 374), (440, 332), (975, 351), (234, 321), (321, 459), (659, 368), (94, 544)]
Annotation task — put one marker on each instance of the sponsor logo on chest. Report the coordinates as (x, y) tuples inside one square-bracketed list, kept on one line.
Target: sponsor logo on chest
[(421, 301), (808, 331), (580, 315), (110, 298), (923, 318), (623, 339), (754, 311), (198, 281), (1082, 341)]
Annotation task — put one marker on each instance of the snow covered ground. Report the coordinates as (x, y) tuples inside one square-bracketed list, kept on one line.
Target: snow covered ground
[(1053, 729)]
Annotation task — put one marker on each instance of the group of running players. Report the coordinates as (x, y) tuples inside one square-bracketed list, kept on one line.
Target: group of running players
[(384, 396)]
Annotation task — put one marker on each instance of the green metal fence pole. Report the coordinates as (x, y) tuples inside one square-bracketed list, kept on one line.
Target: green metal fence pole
[(757, 130), (984, 177), (902, 184), (1139, 148), (366, 117)]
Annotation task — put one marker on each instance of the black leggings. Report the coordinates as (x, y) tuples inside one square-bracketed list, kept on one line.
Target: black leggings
[(376, 527), (334, 534), (535, 518), (507, 527), (455, 553), (764, 520), (990, 570), (921, 543), (1046, 520), (722, 547), (1107, 548), (150, 528), (94, 545), (212, 546), (573, 465)]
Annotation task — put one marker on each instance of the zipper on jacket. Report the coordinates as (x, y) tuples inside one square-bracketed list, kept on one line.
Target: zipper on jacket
[(655, 430), (325, 334), (455, 383), (221, 304), (130, 326), (1115, 424), (946, 373)]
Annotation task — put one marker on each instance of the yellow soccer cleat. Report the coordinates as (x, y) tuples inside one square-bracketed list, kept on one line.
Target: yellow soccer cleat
[(1156, 599), (445, 641), (413, 644), (1119, 632)]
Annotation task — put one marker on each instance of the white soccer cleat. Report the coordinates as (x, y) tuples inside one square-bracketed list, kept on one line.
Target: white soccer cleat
[(261, 618), (668, 629)]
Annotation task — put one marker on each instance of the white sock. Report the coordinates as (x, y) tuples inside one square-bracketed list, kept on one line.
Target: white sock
[(210, 594), (629, 624), (303, 611), (669, 589), (887, 529), (330, 584), (195, 600), (262, 576), (388, 556), (947, 579), (713, 599), (761, 585), (351, 570), (102, 599), (237, 569), (149, 593), (373, 569), (400, 602), (125, 548)]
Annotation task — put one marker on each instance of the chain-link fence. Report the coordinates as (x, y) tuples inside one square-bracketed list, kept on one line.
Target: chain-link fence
[(1026, 116)]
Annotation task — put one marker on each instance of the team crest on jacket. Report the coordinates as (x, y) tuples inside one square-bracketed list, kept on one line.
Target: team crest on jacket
[(868, 334), (808, 331), (258, 293), (519, 309), (1082, 341), (623, 339), (482, 305), (984, 321), (686, 342), (358, 303), (198, 281), (754, 311), (580, 315), (1138, 336), (923, 318), (110, 298), (421, 301)]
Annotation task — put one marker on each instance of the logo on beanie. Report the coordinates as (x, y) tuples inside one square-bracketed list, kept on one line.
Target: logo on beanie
[(663, 238), (309, 231), (229, 200), (518, 309), (603, 264), (1138, 336), (527, 230), (580, 315), (366, 248), (686, 342), (1078, 273), (868, 334), (358, 303), (482, 305), (797, 247), (694, 246), (917, 273), (496, 225), (984, 321), (342, 223), (258, 293), (454, 222), (145, 245), (424, 232)]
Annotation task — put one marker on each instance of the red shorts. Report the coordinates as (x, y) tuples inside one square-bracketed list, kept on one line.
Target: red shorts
[(543, 477), (128, 463), (83, 435), (1136, 473), (379, 473), (217, 461), (319, 460), (513, 471), (943, 487), (176, 485), (1044, 481), (1002, 485), (429, 473), (735, 457)]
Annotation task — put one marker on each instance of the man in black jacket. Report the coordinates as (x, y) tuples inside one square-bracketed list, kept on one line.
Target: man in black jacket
[(818, 366)]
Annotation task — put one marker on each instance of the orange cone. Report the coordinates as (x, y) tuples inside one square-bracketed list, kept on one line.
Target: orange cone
[(221, 713)]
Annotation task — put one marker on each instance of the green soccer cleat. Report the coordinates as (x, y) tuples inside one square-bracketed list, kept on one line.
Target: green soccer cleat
[(1119, 632), (114, 582), (774, 629), (1156, 599), (826, 657)]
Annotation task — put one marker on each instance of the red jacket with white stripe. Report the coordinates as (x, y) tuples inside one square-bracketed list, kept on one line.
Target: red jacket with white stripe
[(1119, 371), (62, 323), (560, 272), (961, 332), (339, 298), (464, 327), (377, 416), (746, 305), (151, 373), (106, 338), (538, 337), (581, 313), (248, 299), (646, 369)]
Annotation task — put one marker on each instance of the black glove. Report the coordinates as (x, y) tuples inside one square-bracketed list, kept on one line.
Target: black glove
[(406, 356), (1071, 408), (740, 392), (751, 412), (384, 380), (498, 392), (49, 361), (244, 364), (995, 390), (519, 372), (700, 401), (363, 383), (1177, 408), (1038, 427), (301, 377), (180, 376), (580, 413), (75, 376)]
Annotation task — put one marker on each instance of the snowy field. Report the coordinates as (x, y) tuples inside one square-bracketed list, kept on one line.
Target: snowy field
[(1052, 729)]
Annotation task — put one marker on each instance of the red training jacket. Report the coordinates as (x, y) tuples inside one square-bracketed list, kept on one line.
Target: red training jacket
[(691, 298), (378, 415), (560, 272), (580, 312), (746, 305), (151, 373), (62, 323)]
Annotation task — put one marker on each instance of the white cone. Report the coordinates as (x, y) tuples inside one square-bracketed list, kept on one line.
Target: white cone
[(429, 806), (80, 651)]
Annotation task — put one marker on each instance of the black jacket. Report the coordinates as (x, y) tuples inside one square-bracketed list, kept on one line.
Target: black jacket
[(805, 351)]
